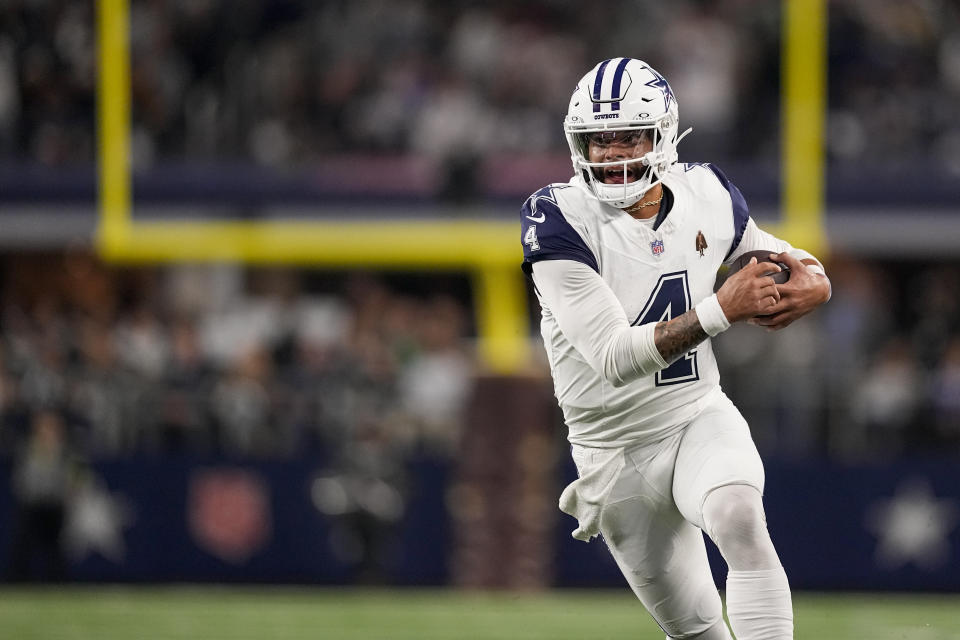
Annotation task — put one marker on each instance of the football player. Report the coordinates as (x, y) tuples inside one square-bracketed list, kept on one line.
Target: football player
[(624, 258)]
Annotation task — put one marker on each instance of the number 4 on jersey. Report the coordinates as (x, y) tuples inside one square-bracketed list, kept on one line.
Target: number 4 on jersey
[(670, 299), (530, 238)]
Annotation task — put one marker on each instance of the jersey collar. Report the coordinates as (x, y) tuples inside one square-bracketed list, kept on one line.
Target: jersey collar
[(665, 206)]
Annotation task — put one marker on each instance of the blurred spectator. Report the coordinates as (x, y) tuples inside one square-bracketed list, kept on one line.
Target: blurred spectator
[(364, 493), (104, 399), (142, 344), (945, 396), (41, 486), (934, 312), (887, 400), (855, 324), (241, 409), (435, 384), (182, 425)]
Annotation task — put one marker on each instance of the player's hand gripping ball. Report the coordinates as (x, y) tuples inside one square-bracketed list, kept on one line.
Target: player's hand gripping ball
[(762, 256)]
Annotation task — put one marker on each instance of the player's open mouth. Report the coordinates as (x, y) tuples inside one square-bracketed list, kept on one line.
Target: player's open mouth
[(614, 175)]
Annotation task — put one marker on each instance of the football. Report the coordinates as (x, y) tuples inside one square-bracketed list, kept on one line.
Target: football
[(762, 256)]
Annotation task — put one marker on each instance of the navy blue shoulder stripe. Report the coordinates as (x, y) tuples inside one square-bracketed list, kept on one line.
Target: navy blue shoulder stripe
[(741, 213), (546, 234)]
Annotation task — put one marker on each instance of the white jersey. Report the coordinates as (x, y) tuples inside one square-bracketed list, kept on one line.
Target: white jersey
[(657, 270)]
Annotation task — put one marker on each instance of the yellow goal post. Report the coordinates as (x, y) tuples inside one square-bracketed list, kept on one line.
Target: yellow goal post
[(488, 250)]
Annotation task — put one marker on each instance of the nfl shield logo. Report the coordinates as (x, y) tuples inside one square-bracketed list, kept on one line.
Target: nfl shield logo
[(657, 247)]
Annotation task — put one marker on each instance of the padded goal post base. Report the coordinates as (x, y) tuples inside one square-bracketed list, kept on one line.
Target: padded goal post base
[(503, 498)]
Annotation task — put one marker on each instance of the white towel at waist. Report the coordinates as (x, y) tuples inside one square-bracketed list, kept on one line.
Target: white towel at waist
[(585, 497)]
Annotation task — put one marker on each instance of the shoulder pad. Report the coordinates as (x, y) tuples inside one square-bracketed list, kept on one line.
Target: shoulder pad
[(546, 233)]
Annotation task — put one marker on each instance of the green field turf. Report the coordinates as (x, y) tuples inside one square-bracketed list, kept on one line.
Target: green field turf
[(97, 613)]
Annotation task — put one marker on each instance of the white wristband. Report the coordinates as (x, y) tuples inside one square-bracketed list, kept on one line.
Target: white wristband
[(711, 316), (816, 269)]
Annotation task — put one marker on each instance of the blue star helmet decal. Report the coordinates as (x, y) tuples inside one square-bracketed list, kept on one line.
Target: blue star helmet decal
[(659, 82)]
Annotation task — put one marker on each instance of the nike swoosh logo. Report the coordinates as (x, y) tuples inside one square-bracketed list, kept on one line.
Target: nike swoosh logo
[(542, 217)]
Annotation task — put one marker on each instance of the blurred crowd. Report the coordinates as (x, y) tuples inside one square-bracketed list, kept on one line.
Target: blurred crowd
[(286, 82), (268, 363), (221, 361)]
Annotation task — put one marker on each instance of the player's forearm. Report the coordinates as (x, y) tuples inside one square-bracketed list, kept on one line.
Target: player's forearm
[(679, 335), (592, 319)]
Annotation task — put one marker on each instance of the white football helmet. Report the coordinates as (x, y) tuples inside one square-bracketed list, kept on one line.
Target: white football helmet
[(626, 101)]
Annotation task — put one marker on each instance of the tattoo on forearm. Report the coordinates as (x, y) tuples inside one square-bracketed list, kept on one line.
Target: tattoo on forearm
[(676, 337)]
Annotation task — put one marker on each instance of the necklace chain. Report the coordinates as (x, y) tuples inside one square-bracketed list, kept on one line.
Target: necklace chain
[(648, 203)]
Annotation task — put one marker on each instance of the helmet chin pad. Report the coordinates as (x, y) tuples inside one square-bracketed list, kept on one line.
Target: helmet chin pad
[(625, 194)]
